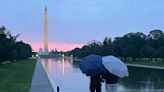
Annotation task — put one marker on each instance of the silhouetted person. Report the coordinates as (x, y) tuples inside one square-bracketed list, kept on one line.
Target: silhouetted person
[(110, 81), (95, 83)]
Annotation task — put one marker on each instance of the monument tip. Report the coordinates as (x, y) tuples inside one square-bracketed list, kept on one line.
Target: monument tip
[(45, 8)]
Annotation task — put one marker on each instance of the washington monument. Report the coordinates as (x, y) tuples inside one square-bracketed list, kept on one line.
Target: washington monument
[(46, 31)]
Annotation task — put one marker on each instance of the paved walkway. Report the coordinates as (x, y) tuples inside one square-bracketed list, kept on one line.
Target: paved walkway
[(145, 66), (40, 81)]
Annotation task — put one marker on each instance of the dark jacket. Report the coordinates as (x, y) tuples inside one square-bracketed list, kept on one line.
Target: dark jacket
[(96, 80), (110, 78)]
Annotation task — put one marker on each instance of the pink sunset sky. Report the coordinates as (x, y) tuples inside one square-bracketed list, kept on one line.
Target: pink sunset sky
[(58, 46)]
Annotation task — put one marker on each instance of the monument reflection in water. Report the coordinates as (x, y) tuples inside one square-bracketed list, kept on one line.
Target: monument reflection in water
[(66, 74)]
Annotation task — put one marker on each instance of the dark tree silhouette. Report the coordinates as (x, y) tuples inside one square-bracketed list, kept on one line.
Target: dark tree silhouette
[(131, 45), (10, 49)]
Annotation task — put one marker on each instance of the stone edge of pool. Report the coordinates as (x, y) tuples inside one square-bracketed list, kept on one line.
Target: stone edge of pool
[(145, 66), (40, 80)]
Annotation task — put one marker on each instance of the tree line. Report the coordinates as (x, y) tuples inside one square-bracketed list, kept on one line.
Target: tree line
[(10, 48), (130, 46)]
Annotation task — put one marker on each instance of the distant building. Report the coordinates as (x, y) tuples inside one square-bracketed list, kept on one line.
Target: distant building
[(41, 52), (52, 52)]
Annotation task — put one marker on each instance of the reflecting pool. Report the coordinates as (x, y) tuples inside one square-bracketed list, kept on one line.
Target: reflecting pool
[(66, 74)]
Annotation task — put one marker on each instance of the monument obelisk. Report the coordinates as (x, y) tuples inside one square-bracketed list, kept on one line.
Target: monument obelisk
[(46, 31)]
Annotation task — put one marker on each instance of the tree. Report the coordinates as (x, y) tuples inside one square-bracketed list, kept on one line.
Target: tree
[(155, 34), (10, 49), (153, 38), (161, 52), (118, 44), (107, 41), (76, 52), (23, 49), (136, 41), (2, 30), (6, 44), (128, 51), (148, 52)]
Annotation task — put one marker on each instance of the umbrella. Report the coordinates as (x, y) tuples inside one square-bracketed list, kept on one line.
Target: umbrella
[(91, 65), (115, 66)]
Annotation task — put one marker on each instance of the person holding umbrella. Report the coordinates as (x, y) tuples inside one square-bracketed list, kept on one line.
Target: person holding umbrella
[(114, 69), (110, 81), (95, 83), (91, 65)]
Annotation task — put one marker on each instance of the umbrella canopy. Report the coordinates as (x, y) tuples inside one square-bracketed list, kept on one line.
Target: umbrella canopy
[(115, 66), (91, 65)]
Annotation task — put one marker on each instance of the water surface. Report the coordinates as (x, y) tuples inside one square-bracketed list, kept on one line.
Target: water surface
[(66, 74)]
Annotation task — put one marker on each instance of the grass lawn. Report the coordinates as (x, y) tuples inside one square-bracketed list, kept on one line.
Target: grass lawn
[(16, 76), (149, 63)]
